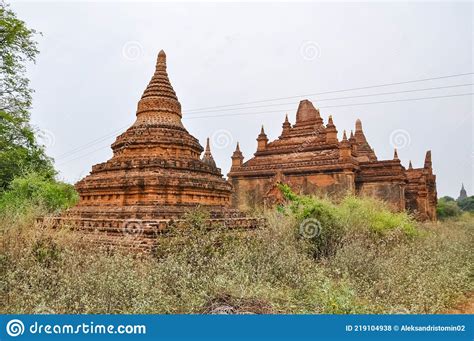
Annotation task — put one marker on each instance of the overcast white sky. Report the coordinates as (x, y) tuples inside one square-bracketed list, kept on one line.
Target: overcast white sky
[(97, 58)]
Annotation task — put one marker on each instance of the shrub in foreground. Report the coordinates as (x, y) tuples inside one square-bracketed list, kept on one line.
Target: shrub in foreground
[(38, 192), (327, 224)]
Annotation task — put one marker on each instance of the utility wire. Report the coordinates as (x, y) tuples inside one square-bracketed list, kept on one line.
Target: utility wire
[(264, 112), (337, 106), (91, 143), (333, 91), (337, 98), (113, 133)]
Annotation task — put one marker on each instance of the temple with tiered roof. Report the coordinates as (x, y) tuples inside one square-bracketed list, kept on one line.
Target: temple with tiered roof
[(309, 158)]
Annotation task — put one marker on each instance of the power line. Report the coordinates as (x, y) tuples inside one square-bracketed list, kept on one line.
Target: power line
[(113, 133), (337, 98), (336, 106), (91, 143), (334, 91), (263, 112), (84, 155), (196, 111)]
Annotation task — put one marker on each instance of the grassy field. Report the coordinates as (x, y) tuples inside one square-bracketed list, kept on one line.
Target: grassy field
[(314, 256)]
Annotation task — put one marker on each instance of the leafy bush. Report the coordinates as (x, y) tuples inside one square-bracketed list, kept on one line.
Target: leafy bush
[(327, 224), (38, 192), (467, 204), (447, 208)]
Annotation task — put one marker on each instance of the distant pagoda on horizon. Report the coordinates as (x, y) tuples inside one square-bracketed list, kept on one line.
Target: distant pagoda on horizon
[(462, 193), (156, 171)]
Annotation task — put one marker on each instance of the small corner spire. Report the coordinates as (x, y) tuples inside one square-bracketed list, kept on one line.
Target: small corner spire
[(410, 166), (395, 154), (428, 163)]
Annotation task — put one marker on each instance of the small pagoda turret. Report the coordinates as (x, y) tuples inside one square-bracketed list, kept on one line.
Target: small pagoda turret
[(262, 140)]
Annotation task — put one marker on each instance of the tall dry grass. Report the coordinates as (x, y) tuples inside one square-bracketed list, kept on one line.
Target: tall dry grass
[(269, 270)]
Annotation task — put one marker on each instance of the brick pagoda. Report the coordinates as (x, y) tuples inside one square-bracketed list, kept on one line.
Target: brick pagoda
[(309, 157), (156, 171)]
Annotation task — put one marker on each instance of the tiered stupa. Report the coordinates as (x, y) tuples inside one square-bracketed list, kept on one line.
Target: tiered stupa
[(309, 158), (156, 171)]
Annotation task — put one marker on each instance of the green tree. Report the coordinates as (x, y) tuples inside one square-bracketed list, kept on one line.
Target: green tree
[(467, 204), (19, 150), (447, 208)]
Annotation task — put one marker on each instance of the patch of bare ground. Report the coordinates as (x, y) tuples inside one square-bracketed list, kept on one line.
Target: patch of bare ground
[(464, 307)]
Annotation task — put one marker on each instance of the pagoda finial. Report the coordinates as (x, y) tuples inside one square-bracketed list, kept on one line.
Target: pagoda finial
[(161, 58), (166, 109), (237, 148), (344, 136), (208, 146), (330, 120), (286, 119), (358, 125), (262, 131), (410, 166), (352, 134), (395, 154)]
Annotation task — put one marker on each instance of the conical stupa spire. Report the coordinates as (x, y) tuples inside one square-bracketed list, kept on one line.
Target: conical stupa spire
[(395, 154), (410, 166), (159, 100), (160, 85)]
